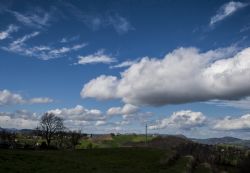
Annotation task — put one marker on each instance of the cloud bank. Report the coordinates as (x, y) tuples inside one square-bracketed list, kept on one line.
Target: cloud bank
[(9, 98), (185, 119), (182, 76), (229, 123), (127, 109)]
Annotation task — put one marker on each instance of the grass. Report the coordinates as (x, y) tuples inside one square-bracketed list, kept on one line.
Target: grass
[(120, 160), (116, 141), (204, 168), (183, 164), (98, 160)]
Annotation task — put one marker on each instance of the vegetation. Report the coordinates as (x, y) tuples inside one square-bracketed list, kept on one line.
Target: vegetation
[(122, 160), (50, 125), (112, 141), (53, 149)]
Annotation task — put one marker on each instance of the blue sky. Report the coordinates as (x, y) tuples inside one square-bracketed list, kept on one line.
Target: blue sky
[(113, 66)]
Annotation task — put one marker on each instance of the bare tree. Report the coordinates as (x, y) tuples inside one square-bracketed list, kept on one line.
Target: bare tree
[(50, 124)]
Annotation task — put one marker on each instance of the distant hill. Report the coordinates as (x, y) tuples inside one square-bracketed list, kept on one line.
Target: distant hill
[(163, 142), (224, 140), (13, 130)]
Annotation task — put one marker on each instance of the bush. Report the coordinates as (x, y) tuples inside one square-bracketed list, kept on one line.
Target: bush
[(43, 146)]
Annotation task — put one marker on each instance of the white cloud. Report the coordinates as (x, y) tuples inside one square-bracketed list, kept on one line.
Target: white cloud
[(122, 123), (124, 64), (101, 21), (69, 39), (41, 100), (185, 119), (18, 46), (100, 123), (127, 109), (41, 52), (120, 24), (227, 10), (242, 103), (8, 98), (38, 18), (98, 57), (23, 39), (103, 87), (78, 113), (19, 119), (229, 123), (184, 75), (5, 34)]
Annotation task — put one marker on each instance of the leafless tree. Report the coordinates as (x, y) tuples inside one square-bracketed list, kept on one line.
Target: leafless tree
[(50, 124)]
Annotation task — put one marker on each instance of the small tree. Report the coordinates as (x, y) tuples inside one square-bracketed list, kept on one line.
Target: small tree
[(75, 137), (8, 138), (50, 124)]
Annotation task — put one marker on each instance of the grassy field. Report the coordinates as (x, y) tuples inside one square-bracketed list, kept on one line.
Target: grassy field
[(120, 160), (114, 142), (100, 160)]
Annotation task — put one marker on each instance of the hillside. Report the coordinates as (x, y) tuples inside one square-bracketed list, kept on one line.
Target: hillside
[(225, 141)]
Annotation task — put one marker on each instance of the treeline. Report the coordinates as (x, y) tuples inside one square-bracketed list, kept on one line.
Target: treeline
[(218, 157), (50, 134), (215, 158)]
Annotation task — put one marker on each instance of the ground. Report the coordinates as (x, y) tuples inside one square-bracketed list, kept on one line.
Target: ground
[(122, 160), (97, 160)]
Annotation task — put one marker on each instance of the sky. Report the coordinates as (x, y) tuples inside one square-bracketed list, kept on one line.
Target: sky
[(181, 67)]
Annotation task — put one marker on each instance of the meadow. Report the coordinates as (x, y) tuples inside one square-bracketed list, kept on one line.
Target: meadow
[(120, 160)]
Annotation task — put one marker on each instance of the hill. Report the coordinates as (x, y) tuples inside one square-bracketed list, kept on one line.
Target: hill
[(224, 141)]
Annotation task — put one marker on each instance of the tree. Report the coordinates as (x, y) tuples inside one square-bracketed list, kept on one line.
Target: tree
[(75, 137), (50, 124), (8, 138)]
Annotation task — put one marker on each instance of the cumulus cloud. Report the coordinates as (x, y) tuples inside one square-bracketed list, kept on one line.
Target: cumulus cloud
[(8, 98), (185, 119), (226, 10), (78, 113), (103, 87), (98, 57), (182, 76), (127, 109), (229, 123), (5, 34), (79, 117), (19, 119)]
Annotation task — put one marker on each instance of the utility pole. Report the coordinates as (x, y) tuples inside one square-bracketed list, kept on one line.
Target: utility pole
[(146, 135)]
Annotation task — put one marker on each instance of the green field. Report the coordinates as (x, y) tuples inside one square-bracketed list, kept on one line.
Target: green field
[(114, 142), (101, 160), (120, 160), (92, 160)]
